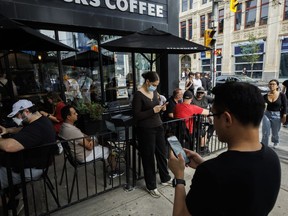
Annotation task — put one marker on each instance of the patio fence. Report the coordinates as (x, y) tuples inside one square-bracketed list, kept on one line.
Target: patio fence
[(66, 181)]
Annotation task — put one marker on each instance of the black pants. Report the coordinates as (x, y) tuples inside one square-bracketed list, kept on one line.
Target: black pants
[(152, 141)]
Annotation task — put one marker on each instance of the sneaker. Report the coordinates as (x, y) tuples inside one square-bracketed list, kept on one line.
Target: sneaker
[(285, 125), (167, 183), (19, 207), (154, 193), (116, 173), (275, 145)]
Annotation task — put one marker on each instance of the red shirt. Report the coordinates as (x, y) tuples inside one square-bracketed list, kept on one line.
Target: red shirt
[(183, 110), (58, 115)]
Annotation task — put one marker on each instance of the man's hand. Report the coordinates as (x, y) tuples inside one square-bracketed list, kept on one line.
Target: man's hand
[(3, 130), (176, 165), (195, 158)]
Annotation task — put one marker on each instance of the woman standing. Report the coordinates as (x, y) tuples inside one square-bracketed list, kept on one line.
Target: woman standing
[(275, 113), (150, 132), (189, 84), (55, 116)]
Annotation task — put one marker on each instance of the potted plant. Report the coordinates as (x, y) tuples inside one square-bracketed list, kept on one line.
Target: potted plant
[(90, 119)]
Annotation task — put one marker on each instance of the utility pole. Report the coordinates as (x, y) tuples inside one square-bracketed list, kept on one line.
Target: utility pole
[(213, 56)]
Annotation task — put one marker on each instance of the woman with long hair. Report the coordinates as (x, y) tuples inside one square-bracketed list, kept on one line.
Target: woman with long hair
[(150, 132), (275, 113)]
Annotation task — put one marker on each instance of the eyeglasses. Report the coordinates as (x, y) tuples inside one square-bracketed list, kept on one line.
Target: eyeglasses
[(215, 114), (200, 92)]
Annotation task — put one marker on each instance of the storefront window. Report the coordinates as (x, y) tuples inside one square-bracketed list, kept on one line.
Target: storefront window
[(185, 63), (240, 63), (283, 73), (38, 72)]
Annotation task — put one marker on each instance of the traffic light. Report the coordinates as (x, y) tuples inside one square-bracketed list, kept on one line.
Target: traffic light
[(233, 5), (209, 41)]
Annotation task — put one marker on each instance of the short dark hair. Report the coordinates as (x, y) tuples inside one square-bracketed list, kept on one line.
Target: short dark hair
[(176, 91), (65, 111), (243, 100), (54, 96), (151, 76)]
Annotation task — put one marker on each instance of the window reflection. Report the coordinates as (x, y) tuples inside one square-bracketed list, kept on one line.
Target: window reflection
[(250, 13)]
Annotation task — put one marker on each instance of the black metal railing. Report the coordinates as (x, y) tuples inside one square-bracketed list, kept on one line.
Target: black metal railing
[(66, 181)]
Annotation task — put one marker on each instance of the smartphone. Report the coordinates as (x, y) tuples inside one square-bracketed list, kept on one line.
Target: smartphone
[(177, 148), (165, 104)]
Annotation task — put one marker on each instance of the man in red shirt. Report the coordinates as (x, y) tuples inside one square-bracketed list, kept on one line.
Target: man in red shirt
[(186, 110)]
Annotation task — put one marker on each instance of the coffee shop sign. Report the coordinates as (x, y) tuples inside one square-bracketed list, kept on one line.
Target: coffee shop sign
[(132, 6)]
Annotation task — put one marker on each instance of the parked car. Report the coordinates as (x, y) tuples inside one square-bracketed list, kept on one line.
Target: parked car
[(242, 78)]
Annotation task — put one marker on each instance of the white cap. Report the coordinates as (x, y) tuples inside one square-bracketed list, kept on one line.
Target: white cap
[(20, 105)]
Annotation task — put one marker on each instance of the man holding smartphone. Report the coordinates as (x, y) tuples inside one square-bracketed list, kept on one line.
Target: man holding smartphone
[(245, 180)]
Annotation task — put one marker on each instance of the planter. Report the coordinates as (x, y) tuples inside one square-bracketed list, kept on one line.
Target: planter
[(91, 127)]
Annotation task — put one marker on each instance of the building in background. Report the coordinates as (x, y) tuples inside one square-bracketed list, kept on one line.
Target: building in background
[(264, 19)]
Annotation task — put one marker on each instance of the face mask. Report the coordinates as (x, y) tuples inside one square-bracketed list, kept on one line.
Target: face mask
[(152, 88), (18, 121), (180, 101)]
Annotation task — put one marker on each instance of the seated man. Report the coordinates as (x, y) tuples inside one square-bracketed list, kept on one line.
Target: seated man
[(29, 136), (26, 138), (84, 150)]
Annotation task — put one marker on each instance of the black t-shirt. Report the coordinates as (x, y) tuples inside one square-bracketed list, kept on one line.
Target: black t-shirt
[(236, 183), (37, 133), (169, 109)]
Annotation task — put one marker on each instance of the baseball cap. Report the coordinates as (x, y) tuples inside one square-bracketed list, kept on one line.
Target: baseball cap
[(20, 105), (200, 89), (187, 95)]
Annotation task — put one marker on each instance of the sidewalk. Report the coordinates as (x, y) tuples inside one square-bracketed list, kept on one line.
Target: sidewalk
[(139, 203)]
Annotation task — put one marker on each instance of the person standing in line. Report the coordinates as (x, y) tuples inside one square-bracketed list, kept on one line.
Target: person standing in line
[(275, 113), (177, 97), (189, 85), (285, 91), (186, 110), (197, 82), (244, 180), (150, 132)]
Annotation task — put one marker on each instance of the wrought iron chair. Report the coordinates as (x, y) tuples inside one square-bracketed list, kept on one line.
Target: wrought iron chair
[(76, 164)]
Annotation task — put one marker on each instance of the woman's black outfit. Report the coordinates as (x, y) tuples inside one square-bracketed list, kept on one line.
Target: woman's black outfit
[(151, 139)]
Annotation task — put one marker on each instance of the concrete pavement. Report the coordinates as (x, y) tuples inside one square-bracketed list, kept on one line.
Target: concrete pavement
[(139, 203)]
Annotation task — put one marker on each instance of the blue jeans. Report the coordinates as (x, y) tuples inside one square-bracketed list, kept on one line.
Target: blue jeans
[(271, 119)]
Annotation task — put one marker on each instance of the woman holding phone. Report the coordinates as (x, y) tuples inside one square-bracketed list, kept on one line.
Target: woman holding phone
[(150, 132)]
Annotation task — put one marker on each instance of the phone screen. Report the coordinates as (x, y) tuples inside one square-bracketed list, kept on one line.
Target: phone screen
[(177, 148)]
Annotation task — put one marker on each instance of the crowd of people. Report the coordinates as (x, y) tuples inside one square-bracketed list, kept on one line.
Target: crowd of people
[(235, 111)]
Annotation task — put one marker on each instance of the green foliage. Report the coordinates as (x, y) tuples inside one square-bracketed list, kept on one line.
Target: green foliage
[(250, 51), (94, 110)]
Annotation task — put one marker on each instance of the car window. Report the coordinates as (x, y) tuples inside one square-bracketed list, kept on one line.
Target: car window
[(248, 79), (221, 78)]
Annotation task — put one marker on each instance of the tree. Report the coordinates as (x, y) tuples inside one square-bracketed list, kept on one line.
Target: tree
[(250, 52)]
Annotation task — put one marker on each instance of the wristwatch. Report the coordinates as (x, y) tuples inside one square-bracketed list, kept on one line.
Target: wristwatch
[(178, 181)]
